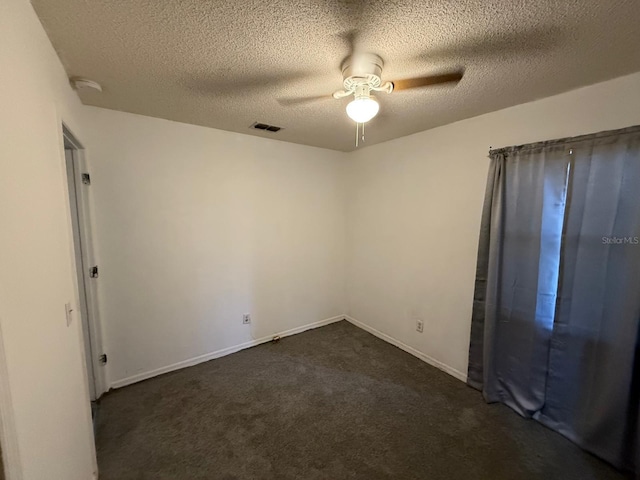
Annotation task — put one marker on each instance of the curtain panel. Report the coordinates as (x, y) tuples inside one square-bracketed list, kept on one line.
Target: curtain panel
[(556, 310)]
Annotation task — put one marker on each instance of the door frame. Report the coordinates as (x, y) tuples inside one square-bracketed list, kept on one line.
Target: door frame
[(84, 256), (8, 433)]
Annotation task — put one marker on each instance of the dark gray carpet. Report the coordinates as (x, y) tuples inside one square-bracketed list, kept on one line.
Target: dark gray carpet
[(332, 403)]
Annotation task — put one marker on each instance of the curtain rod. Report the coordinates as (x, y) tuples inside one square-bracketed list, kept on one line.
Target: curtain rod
[(566, 140)]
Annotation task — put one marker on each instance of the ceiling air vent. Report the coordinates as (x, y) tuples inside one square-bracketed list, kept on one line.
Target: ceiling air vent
[(264, 126)]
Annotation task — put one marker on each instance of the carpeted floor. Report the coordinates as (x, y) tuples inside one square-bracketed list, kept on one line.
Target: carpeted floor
[(332, 403)]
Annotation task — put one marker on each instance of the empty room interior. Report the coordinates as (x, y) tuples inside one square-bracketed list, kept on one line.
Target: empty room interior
[(319, 240)]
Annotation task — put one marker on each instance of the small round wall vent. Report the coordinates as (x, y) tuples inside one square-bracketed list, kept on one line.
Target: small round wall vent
[(85, 84)]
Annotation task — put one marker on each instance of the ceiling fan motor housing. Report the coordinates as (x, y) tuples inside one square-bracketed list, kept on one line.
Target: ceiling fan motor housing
[(362, 69)]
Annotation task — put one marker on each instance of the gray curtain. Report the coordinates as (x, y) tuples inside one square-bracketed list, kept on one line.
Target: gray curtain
[(555, 328)]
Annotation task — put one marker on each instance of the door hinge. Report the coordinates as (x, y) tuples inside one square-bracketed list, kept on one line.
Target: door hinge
[(86, 179), (103, 359), (93, 272)]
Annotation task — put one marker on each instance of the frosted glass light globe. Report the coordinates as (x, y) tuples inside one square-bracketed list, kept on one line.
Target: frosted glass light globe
[(363, 109)]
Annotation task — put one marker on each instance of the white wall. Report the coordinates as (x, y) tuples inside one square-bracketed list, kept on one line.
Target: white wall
[(48, 405), (414, 213), (197, 226)]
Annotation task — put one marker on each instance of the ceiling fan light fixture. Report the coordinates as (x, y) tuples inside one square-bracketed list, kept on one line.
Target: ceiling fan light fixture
[(363, 109)]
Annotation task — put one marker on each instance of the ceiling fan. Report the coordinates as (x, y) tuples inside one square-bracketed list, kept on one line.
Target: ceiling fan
[(362, 75)]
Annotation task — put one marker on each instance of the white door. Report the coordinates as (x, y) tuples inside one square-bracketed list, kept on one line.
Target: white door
[(82, 270)]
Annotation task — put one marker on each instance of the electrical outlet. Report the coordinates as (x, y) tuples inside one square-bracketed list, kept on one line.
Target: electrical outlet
[(246, 318), (419, 325), (69, 313)]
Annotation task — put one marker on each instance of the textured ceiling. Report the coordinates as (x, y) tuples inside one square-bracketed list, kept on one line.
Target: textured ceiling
[(226, 64)]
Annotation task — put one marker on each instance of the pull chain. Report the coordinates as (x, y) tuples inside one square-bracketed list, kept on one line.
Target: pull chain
[(358, 133)]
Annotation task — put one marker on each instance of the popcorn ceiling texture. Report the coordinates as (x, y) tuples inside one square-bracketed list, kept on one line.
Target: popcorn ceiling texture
[(225, 64)]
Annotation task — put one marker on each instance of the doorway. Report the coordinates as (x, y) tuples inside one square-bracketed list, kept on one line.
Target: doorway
[(78, 182)]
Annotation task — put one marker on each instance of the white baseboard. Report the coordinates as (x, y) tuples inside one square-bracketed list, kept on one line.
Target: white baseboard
[(236, 348), (220, 353), (402, 346)]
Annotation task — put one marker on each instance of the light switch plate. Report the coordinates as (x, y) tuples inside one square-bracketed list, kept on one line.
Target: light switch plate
[(69, 313)]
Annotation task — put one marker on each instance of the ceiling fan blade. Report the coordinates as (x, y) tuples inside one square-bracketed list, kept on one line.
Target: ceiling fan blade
[(427, 81), (535, 41), (292, 102), (234, 85), (350, 39)]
